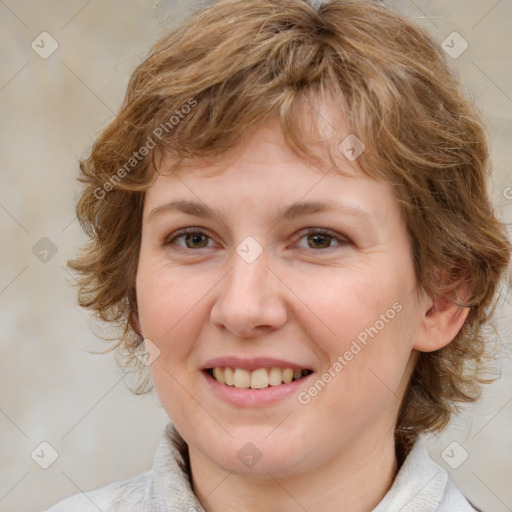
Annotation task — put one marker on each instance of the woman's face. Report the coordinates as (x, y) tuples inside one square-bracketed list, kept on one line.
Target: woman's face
[(252, 290)]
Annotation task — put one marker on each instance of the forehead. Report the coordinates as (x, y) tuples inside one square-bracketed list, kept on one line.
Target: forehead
[(326, 133), (319, 121), (263, 176)]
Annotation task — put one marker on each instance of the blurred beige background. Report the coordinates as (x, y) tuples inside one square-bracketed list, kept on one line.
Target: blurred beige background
[(51, 388)]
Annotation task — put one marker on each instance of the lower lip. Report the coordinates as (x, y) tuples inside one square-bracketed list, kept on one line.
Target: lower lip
[(247, 397)]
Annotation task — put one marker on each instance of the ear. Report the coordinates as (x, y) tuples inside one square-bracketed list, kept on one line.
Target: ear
[(442, 320)]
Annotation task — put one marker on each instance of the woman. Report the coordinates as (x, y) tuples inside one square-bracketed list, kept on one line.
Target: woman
[(289, 218)]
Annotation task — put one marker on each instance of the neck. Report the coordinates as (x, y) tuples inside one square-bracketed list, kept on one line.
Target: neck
[(358, 481)]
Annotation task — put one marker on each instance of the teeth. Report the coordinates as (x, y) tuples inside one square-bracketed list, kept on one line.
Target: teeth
[(242, 378), (257, 379), (275, 376), (219, 375), (287, 375), (229, 376)]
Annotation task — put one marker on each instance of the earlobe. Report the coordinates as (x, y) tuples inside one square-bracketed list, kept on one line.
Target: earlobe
[(442, 321)]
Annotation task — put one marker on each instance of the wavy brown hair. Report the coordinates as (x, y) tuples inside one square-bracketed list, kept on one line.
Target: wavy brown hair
[(235, 64)]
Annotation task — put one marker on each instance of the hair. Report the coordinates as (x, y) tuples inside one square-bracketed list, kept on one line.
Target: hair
[(236, 64)]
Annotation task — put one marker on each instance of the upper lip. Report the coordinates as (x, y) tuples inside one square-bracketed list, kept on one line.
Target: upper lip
[(252, 363)]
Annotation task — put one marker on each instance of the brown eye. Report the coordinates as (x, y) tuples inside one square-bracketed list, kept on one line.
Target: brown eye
[(193, 239), (321, 239)]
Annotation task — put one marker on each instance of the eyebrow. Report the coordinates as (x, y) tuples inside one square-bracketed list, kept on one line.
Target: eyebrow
[(290, 212)]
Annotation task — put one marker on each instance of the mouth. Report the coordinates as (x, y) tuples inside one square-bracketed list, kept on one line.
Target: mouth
[(260, 378)]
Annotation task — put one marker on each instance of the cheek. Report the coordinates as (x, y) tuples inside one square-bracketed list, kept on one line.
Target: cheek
[(177, 396), (373, 316), (169, 299), (351, 304), (170, 309)]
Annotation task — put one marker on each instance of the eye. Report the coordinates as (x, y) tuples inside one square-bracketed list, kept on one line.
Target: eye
[(321, 238), (193, 239)]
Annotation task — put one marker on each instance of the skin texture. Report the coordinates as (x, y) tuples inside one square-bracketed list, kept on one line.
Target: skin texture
[(302, 300)]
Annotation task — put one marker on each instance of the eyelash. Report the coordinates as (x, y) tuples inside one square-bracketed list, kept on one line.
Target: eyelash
[(342, 241)]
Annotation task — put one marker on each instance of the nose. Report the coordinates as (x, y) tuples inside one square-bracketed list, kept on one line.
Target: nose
[(250, 299)]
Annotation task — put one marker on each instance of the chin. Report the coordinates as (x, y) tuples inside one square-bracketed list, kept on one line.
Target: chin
[(256, 456)]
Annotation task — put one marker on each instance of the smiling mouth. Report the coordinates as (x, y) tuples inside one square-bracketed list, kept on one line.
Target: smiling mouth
[(257, 379)]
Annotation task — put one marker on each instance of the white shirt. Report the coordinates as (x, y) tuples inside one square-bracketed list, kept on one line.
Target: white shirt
[(421, 485)]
